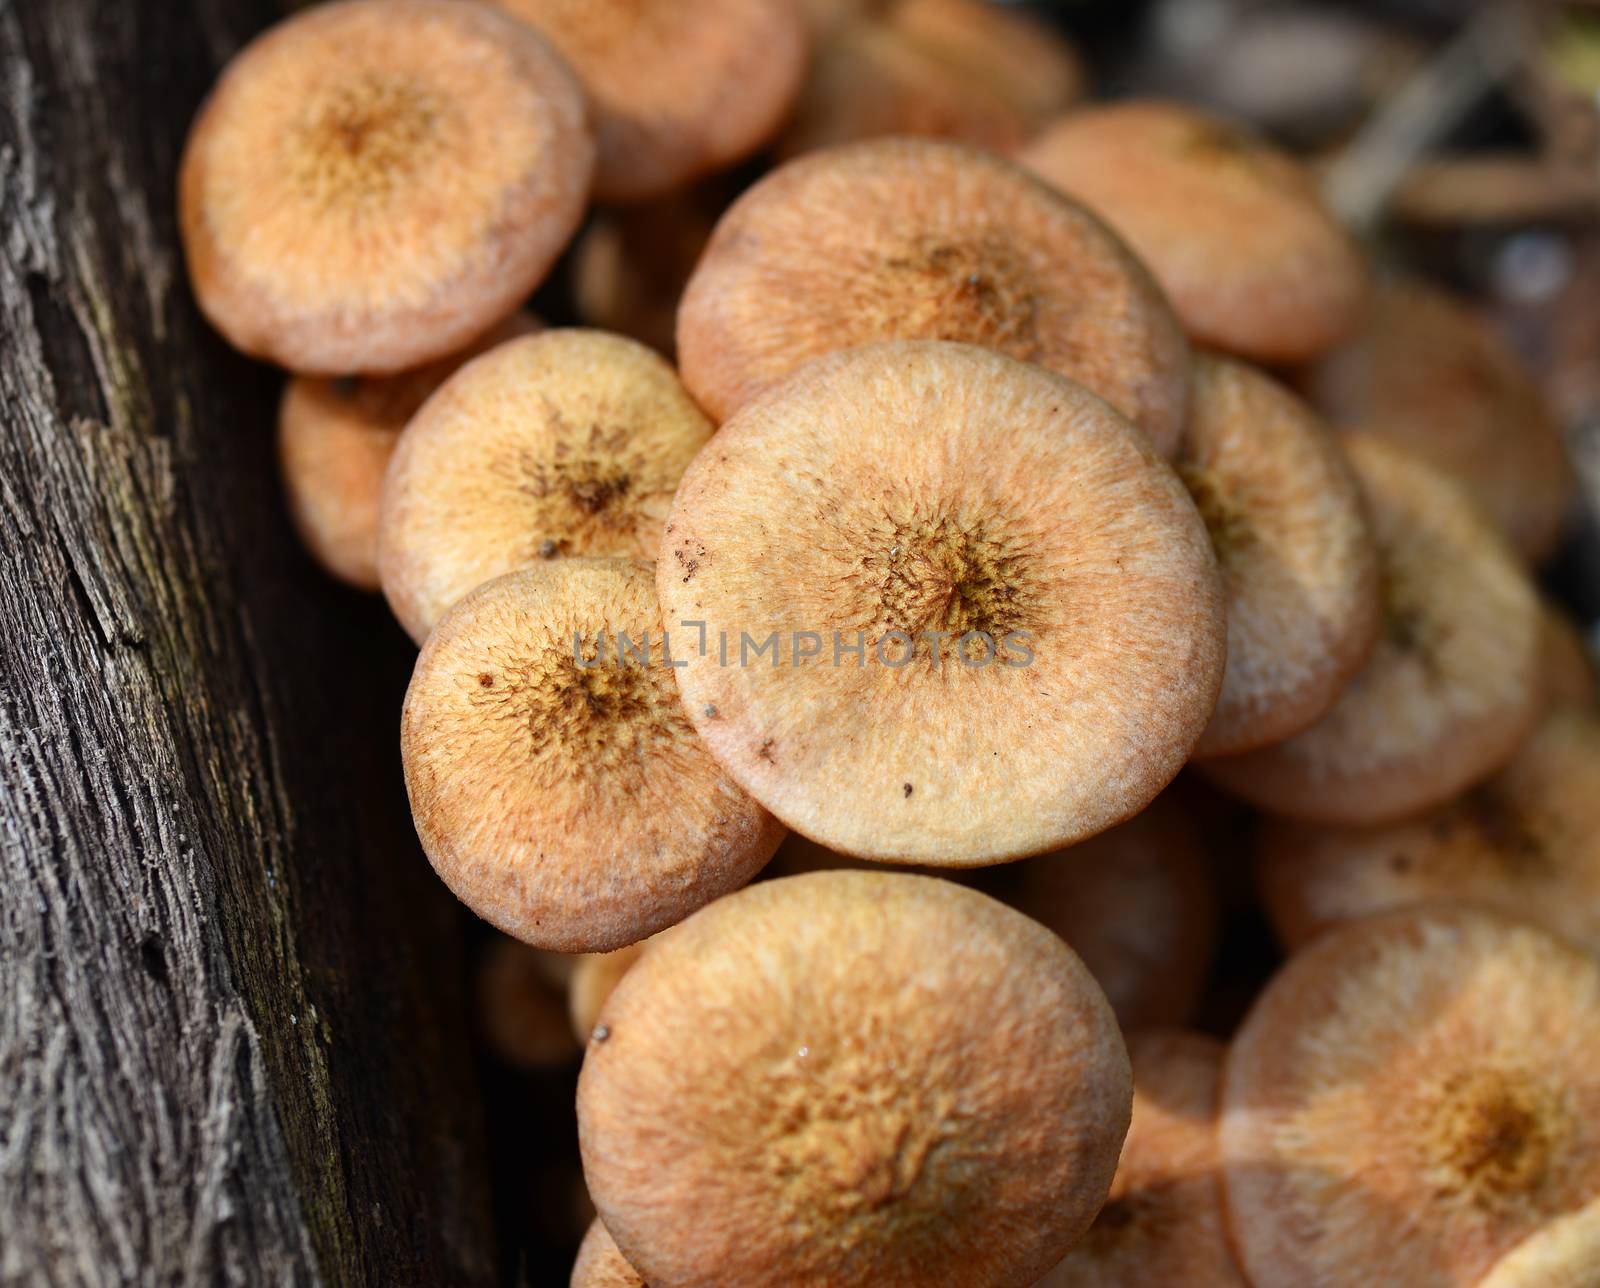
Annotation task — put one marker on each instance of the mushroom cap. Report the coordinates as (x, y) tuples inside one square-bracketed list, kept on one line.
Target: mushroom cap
[(960, 69), (374, 183), (932, 240), (1429, 374), (335, 438), (1451, 688), (601, 1264), (853, 1078), (678, 89), (593, 978), (899, 489), (520, 1006), (1569, 671), (1232, 227), (1410, 1098), (1163, 1223), (1298, 561), (1527, 842), (1564, 1254), (569, 442), (570, 805), (1137, 904)]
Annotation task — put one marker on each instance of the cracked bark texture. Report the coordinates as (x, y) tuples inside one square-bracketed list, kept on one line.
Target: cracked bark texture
[(232, 1040)]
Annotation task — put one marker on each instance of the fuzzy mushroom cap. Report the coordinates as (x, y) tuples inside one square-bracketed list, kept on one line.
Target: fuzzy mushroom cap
[(1137, 904), (1432, 376), (1527, 842), (679, 89), (566, 443), (1298, 561), (923, 239), (335, 440), (959, 69), (888, 493), (1565, 1254), (601, 1265), (1451, 688), (569, 804), (854, 1079), (1163, 1223), (520, 1006), (1232, 227), (374, 183), (1411, 1097)]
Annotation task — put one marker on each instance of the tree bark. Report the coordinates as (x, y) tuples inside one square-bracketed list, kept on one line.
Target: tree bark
[(232, 1044)]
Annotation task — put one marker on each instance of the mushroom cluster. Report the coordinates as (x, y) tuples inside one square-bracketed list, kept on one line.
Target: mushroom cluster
[(810, 660)]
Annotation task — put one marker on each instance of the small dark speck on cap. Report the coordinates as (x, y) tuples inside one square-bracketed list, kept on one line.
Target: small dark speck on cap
[(711, 711), (547, 549), (602, 1032), (909, 789)]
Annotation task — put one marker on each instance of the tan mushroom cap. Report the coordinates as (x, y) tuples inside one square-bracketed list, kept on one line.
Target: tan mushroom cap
[(931, 240), (570, 805), (1137, 904), (913, 487), (601, 1265), (569, 442), (960, 69), (520, 1006), (1298, 561), (374, 183), (1232, 227), (1565, 1254), (1427, 373), (1163, 1223), (1452, 687), (335, 439), (853, 1078), (1411, 1097), (679, 89), (1527, 842)]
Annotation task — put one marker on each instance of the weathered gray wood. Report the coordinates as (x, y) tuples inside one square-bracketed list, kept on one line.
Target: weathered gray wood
[(232, 1046)]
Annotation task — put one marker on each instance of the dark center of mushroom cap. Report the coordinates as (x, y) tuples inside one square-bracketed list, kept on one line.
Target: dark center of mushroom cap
[(363, 140), (1490, 1138), (1226, 523), (980, 290)]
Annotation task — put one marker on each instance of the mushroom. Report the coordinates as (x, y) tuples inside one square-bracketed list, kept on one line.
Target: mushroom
[(925, 239), (1163, 1223), (335, 438), (1452, 687), (679, 89), (853, 1078), (520, 1005), (1564, 1254), (1411, 1097), (556, 785), (374, 183), (601, 1265), (565, 443), (1232, 227), (1527, 841), (955, 609), (1298, 562)]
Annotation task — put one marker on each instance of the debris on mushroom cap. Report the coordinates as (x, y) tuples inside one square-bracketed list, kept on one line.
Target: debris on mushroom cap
[(1298, 562), (1233, 228), (559, 790), (1031, 598), (602, 1265), (1163, 1222), (520, 1006), (926, 239), (1527, 841), (853, 1078), (569, 442), (961, 69), (1411, 1097), (1564, 1254), (1429, 375), (1453, 685), (1568, 665), (374, 183), (335, 438), (678, 89), (1136, 904)]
